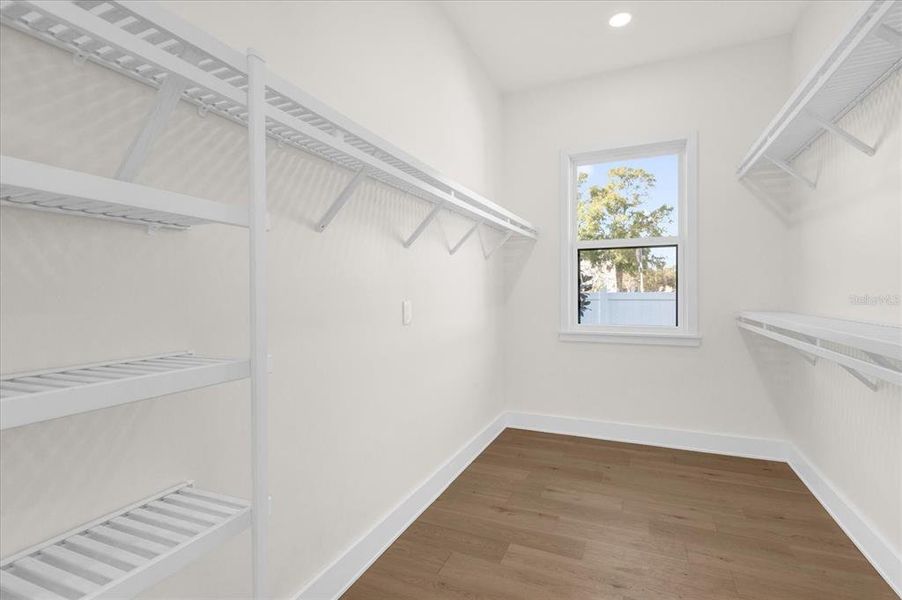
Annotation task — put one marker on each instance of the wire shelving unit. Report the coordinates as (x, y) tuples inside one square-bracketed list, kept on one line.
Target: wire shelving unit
[(867, 54), (121, 554), (147, 43), (143, 41), (869, 351)]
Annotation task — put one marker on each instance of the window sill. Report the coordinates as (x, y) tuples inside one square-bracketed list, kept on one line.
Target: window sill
[(632, 337)]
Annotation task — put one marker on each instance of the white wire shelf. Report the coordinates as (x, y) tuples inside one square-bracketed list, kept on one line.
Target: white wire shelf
[(149, 44), (869, 351), (127, 551), (42, 395), (37, 186), (868, 53)]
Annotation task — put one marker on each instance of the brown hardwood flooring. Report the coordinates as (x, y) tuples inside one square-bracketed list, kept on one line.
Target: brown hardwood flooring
[(558, 517)]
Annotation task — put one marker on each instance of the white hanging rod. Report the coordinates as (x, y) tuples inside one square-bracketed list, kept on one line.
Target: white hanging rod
[(218, 83), (880, 344), (860, 61)]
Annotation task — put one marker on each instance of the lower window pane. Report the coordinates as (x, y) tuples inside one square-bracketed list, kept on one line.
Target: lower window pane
[(628, 286)]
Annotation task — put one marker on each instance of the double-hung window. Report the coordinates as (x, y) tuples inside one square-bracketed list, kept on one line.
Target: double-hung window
[(628, 257)]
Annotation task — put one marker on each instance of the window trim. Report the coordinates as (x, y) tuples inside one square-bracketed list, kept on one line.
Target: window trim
[(686, 332)]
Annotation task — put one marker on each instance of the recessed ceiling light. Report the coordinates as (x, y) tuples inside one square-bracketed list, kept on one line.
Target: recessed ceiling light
[(620, 19)]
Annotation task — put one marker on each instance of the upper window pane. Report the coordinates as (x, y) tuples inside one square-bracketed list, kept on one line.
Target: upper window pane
[(632, 198)]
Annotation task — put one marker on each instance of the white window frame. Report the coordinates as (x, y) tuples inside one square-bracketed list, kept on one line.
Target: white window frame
[(686, 332)]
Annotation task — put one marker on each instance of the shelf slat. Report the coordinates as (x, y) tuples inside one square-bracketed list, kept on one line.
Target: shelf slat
[(876, 350), (39, 396), (102, 560), (38, 186)]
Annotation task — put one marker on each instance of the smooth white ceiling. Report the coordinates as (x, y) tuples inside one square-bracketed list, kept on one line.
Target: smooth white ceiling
[(525, 44)]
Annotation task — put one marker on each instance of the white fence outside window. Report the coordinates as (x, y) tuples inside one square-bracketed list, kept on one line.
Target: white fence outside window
[(631, 308)]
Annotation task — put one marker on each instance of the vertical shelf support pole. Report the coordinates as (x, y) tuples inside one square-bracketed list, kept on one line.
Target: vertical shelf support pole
[(256, 105)]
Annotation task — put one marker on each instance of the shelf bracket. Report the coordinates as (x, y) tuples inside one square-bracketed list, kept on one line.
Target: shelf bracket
[(889, 35), (785, 167), (841, 133), (167, 99), (341, 199), (872, 384), (465, 237), (811, 359), (424, 224), (488, 252)]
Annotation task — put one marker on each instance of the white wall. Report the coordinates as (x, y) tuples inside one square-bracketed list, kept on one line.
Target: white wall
[(714, 388), (362, 409), (849, 242), (817, 30)]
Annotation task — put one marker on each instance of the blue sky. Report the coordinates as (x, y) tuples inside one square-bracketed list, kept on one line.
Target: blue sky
[(666, 191)]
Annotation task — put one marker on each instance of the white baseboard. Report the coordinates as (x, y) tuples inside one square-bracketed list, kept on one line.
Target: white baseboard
[(338, 577), (863, 534), (715, 443), (335, 579)]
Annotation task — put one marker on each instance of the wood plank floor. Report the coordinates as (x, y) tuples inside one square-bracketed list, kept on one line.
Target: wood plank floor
[(551, 517)]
